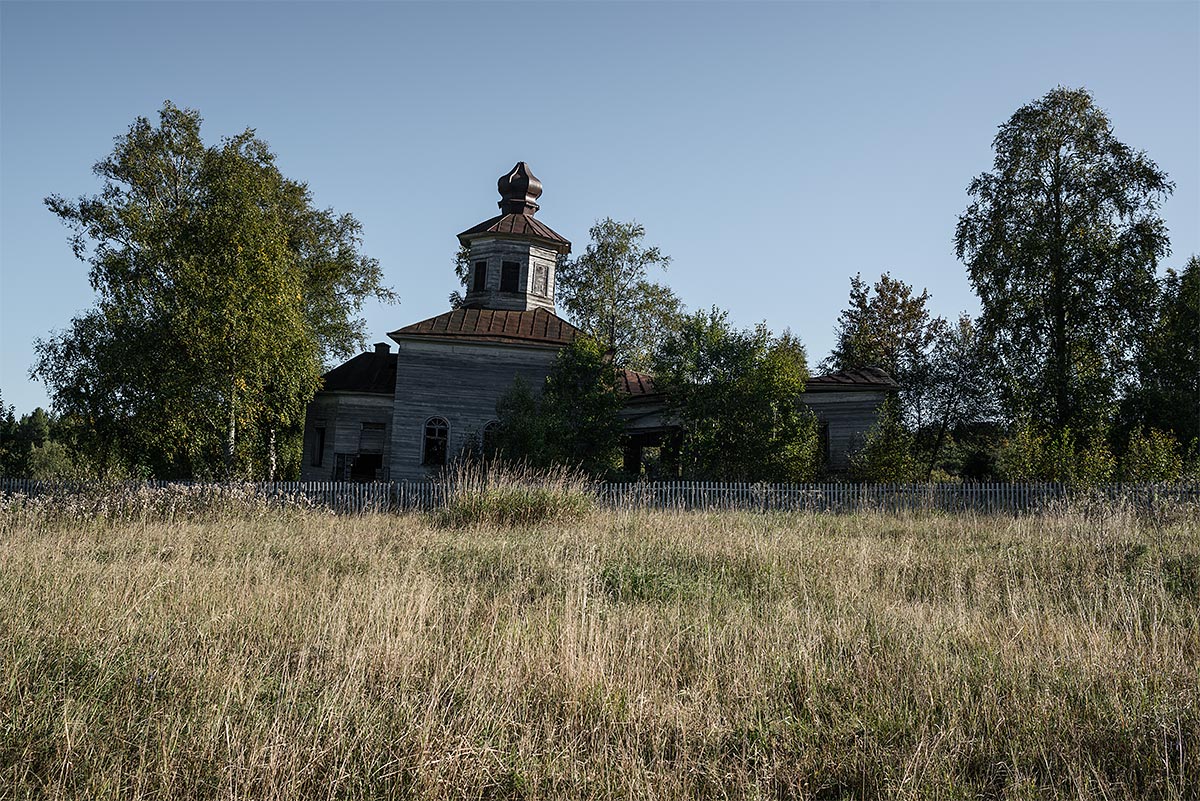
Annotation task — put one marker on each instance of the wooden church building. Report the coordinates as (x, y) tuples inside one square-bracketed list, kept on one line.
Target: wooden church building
[(387, 415)]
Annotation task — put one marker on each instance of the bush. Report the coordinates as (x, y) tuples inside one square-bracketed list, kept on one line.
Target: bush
[(1152, 456), (505, 495), (887, 454), (1030, 455)]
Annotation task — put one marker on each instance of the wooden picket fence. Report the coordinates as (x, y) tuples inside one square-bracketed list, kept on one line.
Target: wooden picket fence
[(354, 497)]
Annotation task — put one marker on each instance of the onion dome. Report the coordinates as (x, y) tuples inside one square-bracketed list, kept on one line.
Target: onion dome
[(520, 190)]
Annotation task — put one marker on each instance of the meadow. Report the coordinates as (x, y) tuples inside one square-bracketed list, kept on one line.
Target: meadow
[(271, 652)]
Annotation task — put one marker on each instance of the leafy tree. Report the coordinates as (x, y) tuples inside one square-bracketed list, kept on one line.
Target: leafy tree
[(52, 460), (574, 422), (8, 438), (736, 395), (1061, 241), (1167, 393), (607, 293), (521, 433), (960, 393), (891, 329), (462, 269), (581, 405), (889, 454), (220, 292), (1152, 455), (1063, 456), (32, 446)]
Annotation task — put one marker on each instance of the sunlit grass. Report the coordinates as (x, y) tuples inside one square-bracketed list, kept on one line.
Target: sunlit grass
[(297, 654)]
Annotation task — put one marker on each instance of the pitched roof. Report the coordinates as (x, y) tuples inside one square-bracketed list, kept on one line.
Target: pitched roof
[(372, 372), (863, 378), (518, 225), (635, 384), (530, 327)]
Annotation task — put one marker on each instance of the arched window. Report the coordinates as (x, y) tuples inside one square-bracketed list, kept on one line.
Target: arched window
[(489, 437), (437, 434)]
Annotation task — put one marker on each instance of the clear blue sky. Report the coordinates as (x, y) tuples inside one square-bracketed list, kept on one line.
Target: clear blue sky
[(773, 150)]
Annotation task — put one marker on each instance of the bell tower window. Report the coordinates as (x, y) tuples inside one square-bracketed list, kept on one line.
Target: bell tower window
[(510, 276), (480, 282)]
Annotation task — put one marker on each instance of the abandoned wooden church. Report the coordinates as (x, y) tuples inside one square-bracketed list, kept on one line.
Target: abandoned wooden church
[(403, 415)]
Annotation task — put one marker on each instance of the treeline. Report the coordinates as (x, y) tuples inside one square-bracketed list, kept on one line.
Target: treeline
[(1083, 365)]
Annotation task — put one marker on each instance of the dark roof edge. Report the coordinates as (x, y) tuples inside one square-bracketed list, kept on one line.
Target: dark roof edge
[(860, 379), (477, 339)]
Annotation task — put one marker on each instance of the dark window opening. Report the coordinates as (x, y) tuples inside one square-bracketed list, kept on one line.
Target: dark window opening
[(318, 447), (437, 434), (510, 276), (480, 283), (823, 441), (370, 440)]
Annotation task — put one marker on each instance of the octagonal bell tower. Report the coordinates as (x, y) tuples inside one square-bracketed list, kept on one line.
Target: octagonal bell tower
[(513, 255)]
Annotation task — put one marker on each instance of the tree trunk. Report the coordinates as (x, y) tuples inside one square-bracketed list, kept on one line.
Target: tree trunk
[(231, 434), (1060, 357), (271, 457)]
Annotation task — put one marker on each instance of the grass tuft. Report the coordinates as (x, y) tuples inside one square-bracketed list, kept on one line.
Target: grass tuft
[(505, 495)]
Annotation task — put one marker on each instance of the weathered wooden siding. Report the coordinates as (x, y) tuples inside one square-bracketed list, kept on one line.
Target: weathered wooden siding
[(460, 382), (849, 415), (342, 414), (536, 282)]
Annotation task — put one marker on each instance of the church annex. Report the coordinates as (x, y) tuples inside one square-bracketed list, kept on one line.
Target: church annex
[(387, 415)]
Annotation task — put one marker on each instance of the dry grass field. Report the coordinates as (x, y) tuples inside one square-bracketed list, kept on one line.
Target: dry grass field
[(267, 653)]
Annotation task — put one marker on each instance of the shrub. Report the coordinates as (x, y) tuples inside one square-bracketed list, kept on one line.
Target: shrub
[(1152, 456), (1030, 455), (506, 495), (887, 453)]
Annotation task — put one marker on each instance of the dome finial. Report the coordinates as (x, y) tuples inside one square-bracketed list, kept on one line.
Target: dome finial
[(519, 190)]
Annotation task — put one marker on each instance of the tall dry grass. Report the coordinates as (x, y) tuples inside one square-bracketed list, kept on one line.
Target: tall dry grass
[(628, 655)]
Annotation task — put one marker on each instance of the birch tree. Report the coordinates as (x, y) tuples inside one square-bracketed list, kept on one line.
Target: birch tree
[(220, 293)]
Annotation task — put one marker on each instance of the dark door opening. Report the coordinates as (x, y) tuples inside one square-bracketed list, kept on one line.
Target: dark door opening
[(366, 467)]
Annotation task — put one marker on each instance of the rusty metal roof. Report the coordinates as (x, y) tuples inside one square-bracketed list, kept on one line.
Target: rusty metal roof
[(635, 384), (531, 327), (863, 378), (525, 225), (372, 372)]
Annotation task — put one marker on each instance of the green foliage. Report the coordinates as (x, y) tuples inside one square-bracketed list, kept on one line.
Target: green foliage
[(1152, 455), (889, 454), (607, 293), (581, 407), (500, 495), (736, 395), (1167, 394), (891, 329), (574, 422), (33, 446), (960, 398), (1061, 241), (1032, 455), (462, 269), (220, 291)]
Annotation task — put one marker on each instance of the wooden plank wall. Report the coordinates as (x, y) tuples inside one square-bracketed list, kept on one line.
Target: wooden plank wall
[(460, 382), (342, 414), (849, 415)]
